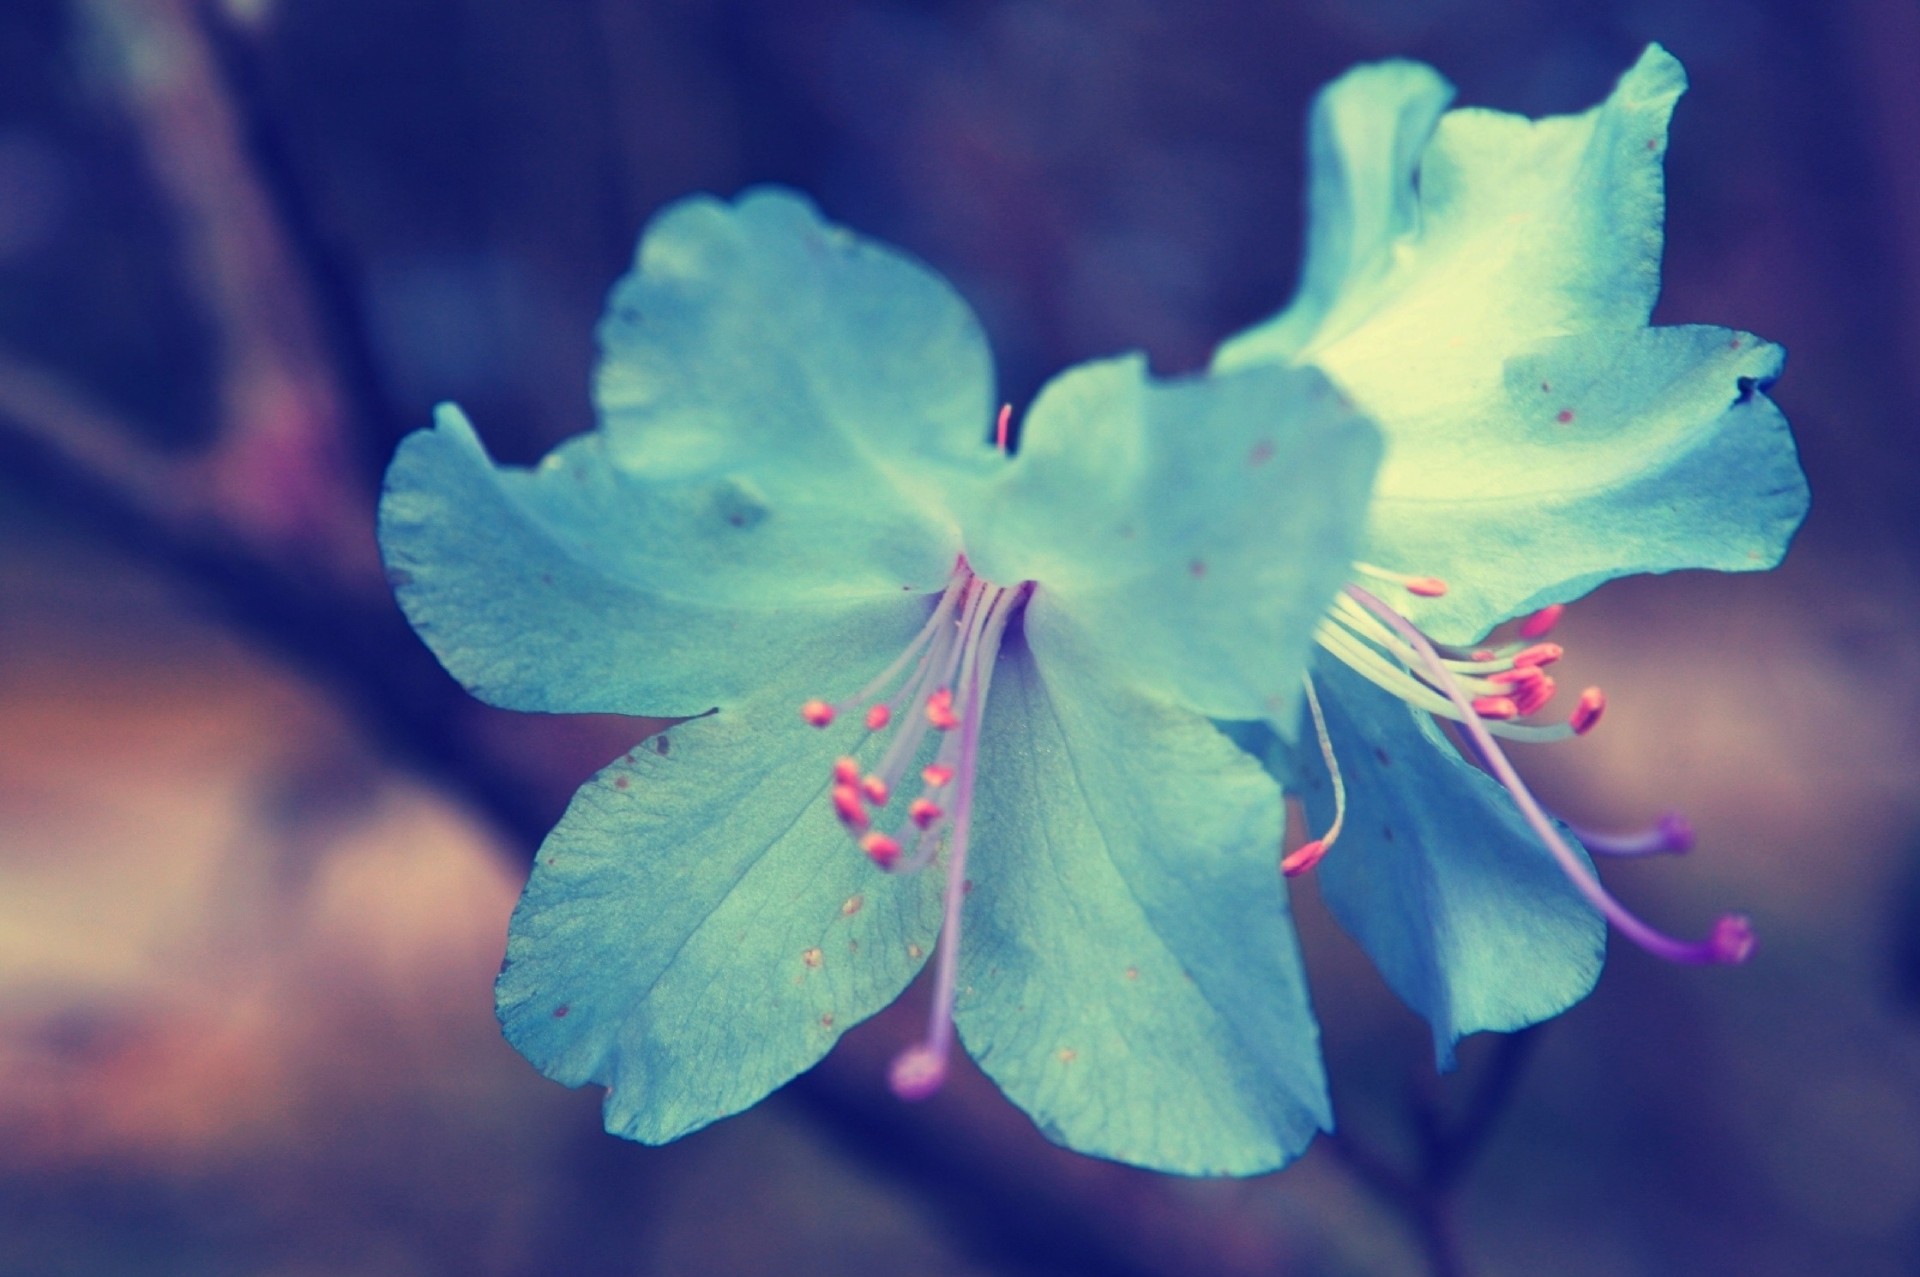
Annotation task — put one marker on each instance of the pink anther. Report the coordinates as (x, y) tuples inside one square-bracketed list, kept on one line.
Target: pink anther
[(1539, 654), (876, 791), (917, 1072), (881, 849), (1587, 711), (1303, 857), (923, 812), (940, 710), (1427, 587), (878, 716), (1002, 427), (846, 772), (936, 774), (1495, 707), (1533, 695), (1541, 623), (817, 713), (847, 806)]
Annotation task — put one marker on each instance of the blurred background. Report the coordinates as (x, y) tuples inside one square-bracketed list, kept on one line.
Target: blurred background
[(257, 851)]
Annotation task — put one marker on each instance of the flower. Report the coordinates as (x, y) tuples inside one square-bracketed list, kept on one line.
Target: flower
[(799, 513), (1480, 284), (801, 526)]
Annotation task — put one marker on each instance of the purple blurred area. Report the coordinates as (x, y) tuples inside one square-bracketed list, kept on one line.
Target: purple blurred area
[(257, 852)]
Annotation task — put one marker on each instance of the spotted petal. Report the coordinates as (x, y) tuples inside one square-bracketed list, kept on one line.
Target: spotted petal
[(1191, 532), (1540, 439), (802, 404), (1436, 874), (1129, 974), (529, 588), (698, 929), (1599, 455)]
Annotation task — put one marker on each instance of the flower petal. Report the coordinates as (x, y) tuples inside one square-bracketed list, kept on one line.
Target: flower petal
[(1364, 141), (698, 929), (1467, 916), (1192, 531), (1129, 974), (1598, 456), (1491, 317), (537, 590), (1518, 229), (833, 393)]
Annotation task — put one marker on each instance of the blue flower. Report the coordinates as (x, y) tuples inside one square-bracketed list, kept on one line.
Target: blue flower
[(802, 526), (798, 513), (1480, 284)]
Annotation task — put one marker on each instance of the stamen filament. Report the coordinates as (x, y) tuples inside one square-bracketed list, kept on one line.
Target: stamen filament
[(1427, 587), (1731, 940), (1309, 854), (1371, 666), (920, 1070)]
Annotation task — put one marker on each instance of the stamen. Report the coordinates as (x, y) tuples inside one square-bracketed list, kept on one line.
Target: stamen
[(1541, 623), (1539, 654), (1309, 854), (1731, 940), (881, 849), (1496, 707), (847, 806), (1002, 428), (919, 1071), (1587, 711), (942, 681), (1303, 858), (1672, 836), (1427, 587), (940, 710)]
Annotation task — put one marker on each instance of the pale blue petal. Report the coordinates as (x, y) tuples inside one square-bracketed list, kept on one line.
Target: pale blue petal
[(1539, 439), (1129, 974), (1436, 874), (1522, 229), (804, 405), (1600, 455), (1193, 531), (699, 929), (1364, 140), (525, 586)]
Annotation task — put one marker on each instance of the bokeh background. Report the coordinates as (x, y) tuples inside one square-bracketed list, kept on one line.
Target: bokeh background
[(257, 852)]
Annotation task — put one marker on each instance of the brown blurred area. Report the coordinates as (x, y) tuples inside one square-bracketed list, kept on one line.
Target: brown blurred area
[(257, 852)]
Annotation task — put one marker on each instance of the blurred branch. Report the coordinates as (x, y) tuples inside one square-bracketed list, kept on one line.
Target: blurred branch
[(332, 288), (1423, 1197), (279, 466), (89, 468)]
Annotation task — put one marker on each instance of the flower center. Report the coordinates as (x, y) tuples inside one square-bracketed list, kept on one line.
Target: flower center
[(1485, 690), (931, 700)]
